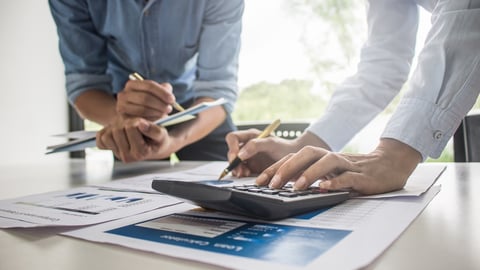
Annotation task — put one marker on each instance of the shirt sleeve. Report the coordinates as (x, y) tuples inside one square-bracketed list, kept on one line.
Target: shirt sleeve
[(384, 67), (445, 83), (82, 49), (219, 47)]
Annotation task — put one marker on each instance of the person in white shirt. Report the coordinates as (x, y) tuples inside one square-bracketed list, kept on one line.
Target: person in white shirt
[(443, 88)]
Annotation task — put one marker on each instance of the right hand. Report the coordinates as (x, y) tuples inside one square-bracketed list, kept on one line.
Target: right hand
[(257, 154), (146, 99)]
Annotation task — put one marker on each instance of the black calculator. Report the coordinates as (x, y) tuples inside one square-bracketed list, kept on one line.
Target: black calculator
[(250, 200)]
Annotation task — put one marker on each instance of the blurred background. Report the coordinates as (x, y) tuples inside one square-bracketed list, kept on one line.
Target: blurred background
[(294, 53)]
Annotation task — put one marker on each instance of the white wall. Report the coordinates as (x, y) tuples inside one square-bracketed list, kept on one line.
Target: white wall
[(32, 96)]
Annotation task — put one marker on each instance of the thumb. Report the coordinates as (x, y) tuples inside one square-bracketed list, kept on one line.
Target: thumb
[(151, 131)]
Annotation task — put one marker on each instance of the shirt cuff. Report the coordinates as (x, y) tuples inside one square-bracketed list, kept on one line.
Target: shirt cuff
[(77, 83), (335, 129), (422, 125)]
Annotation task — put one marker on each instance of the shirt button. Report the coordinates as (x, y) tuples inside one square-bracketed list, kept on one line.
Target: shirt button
[(437, 135)]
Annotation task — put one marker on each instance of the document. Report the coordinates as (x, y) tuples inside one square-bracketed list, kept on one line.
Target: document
[(84, 140), (77, 207), (419, 181), (125, 197), (209, 171), (347, 236)]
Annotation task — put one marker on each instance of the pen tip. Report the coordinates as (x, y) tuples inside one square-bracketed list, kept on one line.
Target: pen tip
[(222, 175)]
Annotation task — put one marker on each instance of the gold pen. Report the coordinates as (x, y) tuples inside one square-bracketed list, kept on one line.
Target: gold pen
[(137, 76), (265, 133)]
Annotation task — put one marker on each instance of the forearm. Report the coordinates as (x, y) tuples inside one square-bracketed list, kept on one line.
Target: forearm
[(96, 106)]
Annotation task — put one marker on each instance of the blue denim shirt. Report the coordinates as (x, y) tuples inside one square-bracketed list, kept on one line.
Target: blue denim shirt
[(192, 44)]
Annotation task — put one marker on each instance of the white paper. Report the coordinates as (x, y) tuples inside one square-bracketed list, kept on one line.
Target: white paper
[(33, 211), (79, 134), (420, 180), (347, 236), (77, 207)]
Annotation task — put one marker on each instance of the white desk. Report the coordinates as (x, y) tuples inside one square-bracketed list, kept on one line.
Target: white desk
[(445, 236)]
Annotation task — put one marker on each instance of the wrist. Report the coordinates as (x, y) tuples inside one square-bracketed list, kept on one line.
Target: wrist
[(308, 138), (400, 154)]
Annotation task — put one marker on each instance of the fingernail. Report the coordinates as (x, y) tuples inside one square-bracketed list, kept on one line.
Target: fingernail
[(275, 182), (301, 183)]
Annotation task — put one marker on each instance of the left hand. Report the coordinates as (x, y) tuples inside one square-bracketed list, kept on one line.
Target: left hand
[(134, 139), (385, 169)]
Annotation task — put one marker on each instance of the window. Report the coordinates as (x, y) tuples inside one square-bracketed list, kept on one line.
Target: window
[(294, 53)]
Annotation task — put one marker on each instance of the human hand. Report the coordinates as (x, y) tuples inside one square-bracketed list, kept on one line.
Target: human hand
[(257, 154), (385, 169), (134, 139), (147, 99)]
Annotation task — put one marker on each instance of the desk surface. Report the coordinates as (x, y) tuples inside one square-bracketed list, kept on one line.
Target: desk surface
[(446, 235)]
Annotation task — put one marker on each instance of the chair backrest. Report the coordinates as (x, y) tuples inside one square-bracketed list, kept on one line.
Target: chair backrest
[(287, 130), (466, 140)]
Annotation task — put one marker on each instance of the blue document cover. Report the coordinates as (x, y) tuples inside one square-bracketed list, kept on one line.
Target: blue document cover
[(286, 244)]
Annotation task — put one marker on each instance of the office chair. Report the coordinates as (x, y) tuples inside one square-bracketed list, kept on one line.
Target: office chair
[(287, 130), (466, 140)]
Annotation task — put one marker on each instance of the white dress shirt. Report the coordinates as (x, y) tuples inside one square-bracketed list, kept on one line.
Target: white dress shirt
[(443, 87)]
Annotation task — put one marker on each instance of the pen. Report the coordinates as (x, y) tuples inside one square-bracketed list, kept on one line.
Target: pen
[(137, 76), (269, 129)]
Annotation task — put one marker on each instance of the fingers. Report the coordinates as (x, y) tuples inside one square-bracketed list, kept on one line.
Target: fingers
[(162, 91), (291, 166), (153, 132), (105, 141), (329, 165), (367, 173), (306, 167), (139, 104), (235, 141), (256, 153), (147, 99), (345, 180), (266, 176), (131, 140)]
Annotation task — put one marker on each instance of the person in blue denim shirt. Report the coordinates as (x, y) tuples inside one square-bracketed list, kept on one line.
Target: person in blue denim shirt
[(186, 49)]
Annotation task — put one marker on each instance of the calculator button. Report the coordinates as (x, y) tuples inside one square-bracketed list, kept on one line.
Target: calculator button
[(271, 191), (303, 192), (317, 190), (243, 188), (287, 194)]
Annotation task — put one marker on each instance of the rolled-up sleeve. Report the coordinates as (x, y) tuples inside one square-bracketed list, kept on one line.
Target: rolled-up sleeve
[(82, 49), (446, 82), (219, 48)]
